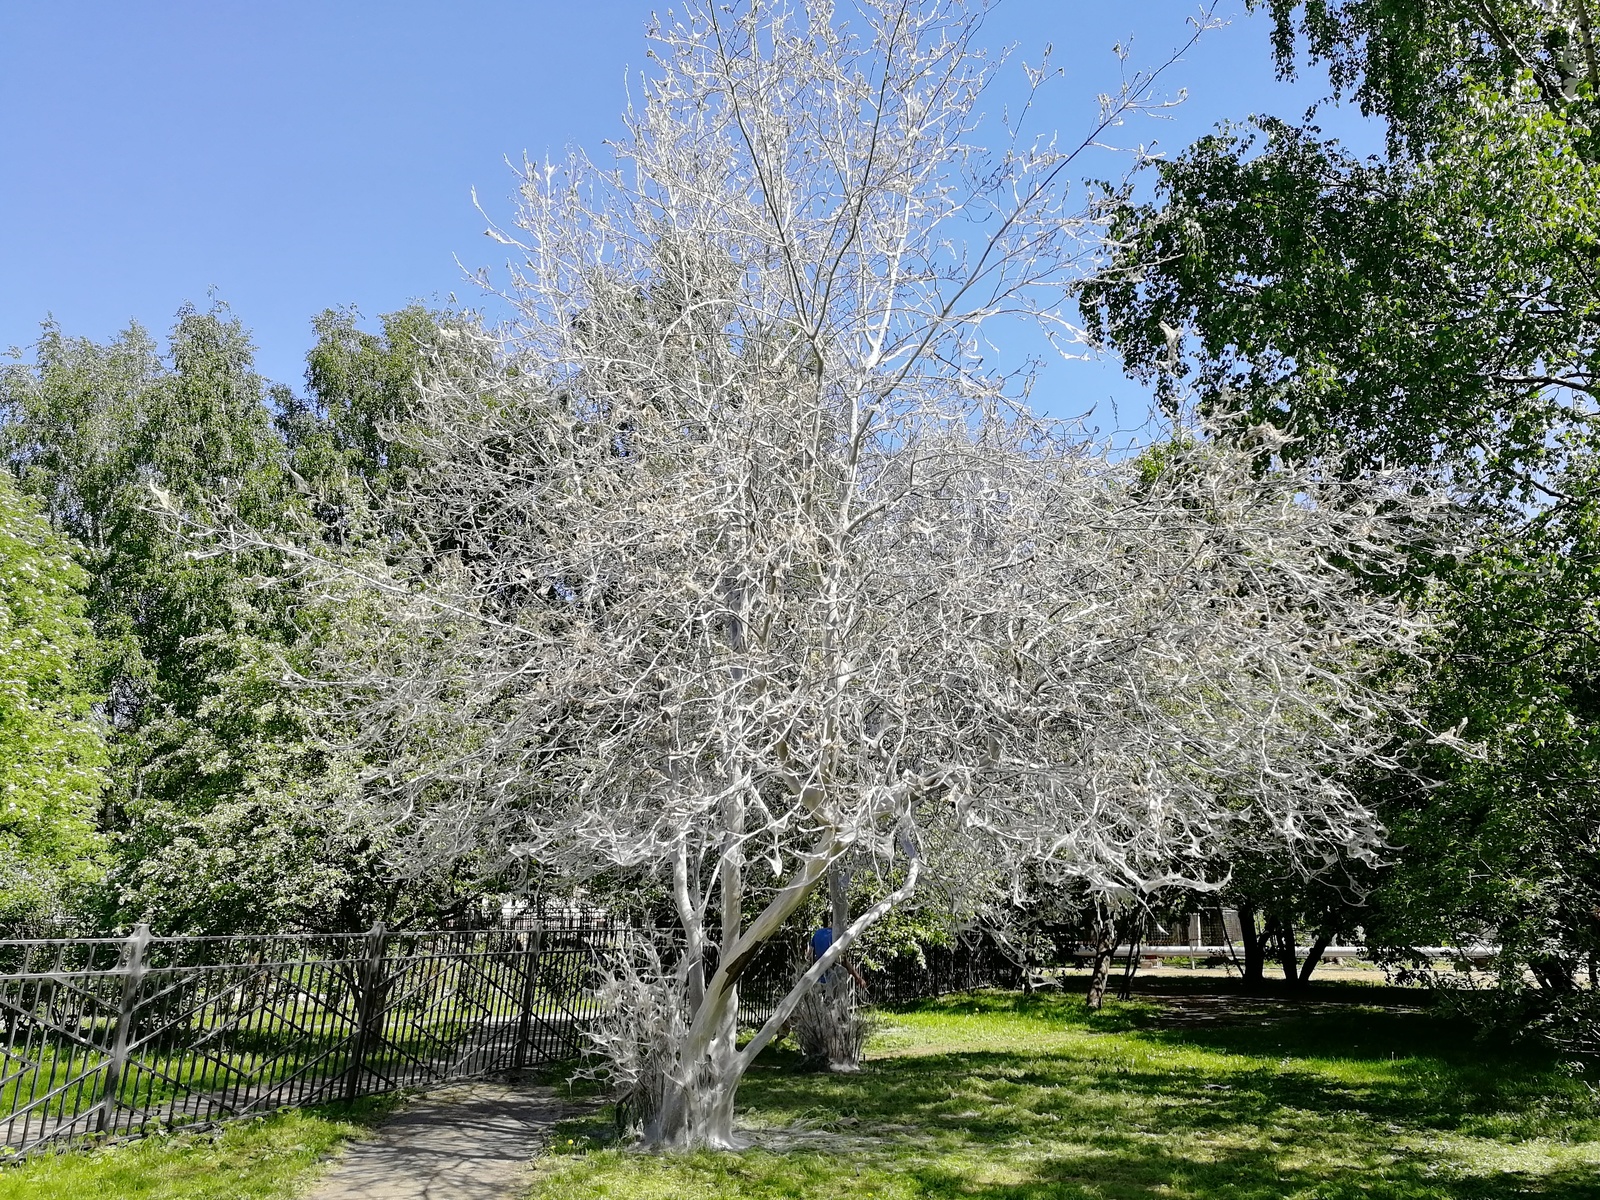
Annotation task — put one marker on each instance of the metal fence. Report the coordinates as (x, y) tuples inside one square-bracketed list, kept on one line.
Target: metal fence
[(126, 1036)]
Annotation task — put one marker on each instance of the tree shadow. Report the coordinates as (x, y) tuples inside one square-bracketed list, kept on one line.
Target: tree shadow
[(1148, 1171), (1330, 1100)]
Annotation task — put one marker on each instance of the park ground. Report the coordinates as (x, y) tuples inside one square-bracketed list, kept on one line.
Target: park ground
[(1190, 1091)]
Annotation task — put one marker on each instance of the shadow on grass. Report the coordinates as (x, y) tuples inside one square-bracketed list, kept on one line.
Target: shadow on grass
[(1151, 1171), (1316, 1099), (1004, 1097)]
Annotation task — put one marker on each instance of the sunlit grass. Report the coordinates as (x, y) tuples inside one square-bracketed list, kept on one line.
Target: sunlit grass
[(272, 1158), (1008, 1098)]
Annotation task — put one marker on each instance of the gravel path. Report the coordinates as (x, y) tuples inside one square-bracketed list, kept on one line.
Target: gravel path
[(473, 1142)]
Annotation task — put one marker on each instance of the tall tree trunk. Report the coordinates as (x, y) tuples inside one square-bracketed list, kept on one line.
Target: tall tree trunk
[(693, 927), (1286, 950), (838, 897), (840, 990), (1133, 932), (1252, 941), (697, 1100)]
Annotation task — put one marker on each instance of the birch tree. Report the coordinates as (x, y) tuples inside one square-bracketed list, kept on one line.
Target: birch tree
[(735, 555)]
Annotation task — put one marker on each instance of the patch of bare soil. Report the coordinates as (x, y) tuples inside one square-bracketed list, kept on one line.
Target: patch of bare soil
[(1201, 1010)]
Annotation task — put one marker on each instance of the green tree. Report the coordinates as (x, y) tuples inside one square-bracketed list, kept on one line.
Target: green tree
[(1440, 315), (1284, 908), (362, 392), (52, 743), (1504, 848), (205, 832), (89, 430), (1414, 63), (1434, 309)]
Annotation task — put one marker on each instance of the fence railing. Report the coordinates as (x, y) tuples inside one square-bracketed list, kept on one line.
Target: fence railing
[(126, 1036)]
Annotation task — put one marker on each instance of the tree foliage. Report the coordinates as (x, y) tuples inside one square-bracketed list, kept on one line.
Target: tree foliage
[(1415, 63), (1440, 315), (1504, 848), (1436, 307), (52, 741), (217, 807)]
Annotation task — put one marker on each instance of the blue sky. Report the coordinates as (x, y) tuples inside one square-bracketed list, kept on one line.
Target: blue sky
[(294, 155)]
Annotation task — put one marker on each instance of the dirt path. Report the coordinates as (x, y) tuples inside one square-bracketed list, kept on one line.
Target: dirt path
[(473, 1142), (1199, 1010)]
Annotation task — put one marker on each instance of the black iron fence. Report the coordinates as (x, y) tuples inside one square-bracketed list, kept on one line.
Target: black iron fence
[(127, 1036)]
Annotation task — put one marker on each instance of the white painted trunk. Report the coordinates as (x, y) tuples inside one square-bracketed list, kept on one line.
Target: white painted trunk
[(843, 1046), (697, 1102)]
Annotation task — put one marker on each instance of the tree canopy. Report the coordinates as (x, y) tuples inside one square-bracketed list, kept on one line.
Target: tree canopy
[(215, 802), (734, 570), (52, 739), (1433, 308)]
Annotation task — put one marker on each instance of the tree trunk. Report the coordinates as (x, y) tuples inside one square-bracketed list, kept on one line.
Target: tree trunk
[(1253, 942), (697, 1102), (697, 1099), (1286, 951), (1099, 977), (838, 898), (1133, 932), (1555, 974), (839, 991), (1024, 960), (1105, 941), (698, 1094), (693, 927), (1313, 957)]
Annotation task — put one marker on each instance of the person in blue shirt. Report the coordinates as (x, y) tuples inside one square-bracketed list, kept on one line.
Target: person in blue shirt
[(821, 940)]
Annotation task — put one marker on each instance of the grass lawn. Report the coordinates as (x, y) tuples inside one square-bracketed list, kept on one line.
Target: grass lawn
[(272, 1158), (1001, 1097)]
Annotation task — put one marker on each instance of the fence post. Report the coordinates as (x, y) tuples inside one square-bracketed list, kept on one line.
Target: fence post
[(133, 968), (369, 1008), (530, 980)]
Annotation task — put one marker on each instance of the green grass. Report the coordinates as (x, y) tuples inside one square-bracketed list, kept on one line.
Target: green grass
[(999, 1097), (270, 1158)]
